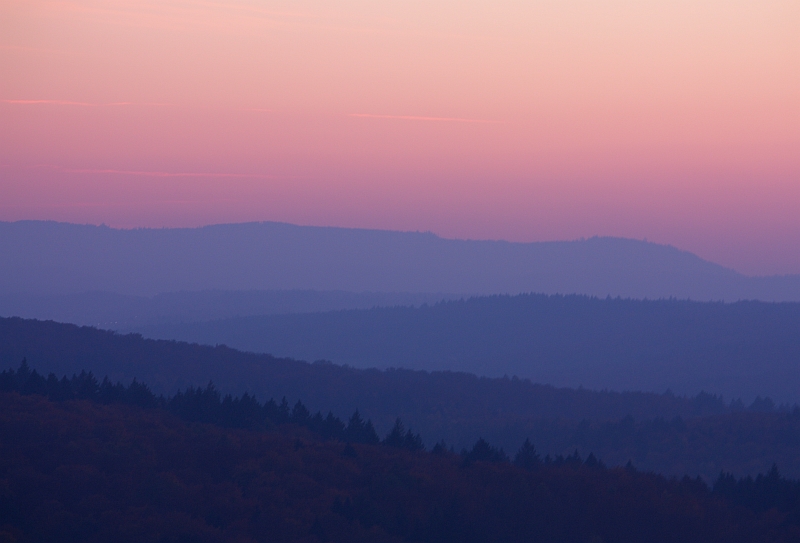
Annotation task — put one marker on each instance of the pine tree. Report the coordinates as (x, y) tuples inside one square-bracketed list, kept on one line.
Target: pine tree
[(396, 438), (527, 457)]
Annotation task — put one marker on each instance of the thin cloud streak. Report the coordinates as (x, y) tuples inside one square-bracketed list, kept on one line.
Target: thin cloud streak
[(51, 102), (145, 173), (420, 118), (82, 104), (162, 16), (118, 104), (37, 49), (80, 205)]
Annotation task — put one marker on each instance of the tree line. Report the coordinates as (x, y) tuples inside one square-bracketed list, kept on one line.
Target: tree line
[(208, 405), (652, 430), (110, 470)]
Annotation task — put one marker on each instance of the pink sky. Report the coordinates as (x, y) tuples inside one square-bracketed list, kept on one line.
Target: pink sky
[(677, 121)]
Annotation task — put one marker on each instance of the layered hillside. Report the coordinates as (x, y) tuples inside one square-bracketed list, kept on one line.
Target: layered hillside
[(740, 350), (670, 434)]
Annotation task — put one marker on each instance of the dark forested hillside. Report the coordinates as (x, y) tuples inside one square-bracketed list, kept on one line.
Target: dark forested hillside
[(663, 432), (739, 350), (82, 471)]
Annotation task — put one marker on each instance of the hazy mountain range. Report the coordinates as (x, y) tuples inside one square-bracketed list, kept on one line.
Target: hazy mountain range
[(123, 311), (49, 258), (316, 293)]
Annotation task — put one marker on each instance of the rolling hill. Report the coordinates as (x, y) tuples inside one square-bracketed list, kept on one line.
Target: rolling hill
[(740, 350), (673, 435)]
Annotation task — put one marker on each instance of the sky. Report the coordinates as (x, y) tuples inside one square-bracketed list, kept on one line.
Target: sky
[(528, 120)]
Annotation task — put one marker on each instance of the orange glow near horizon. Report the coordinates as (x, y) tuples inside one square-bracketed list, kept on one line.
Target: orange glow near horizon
[(676, 121)]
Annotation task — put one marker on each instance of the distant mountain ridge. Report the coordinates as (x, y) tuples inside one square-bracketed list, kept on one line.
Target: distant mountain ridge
[(60, 258)]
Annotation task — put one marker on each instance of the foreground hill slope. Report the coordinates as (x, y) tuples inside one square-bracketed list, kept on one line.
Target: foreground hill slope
[(740, 350), (79, 471), (669, 434), (59, 258)]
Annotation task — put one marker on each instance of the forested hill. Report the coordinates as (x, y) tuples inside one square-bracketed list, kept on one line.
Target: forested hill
[(739, 350), (59, 258), (168, 366), (662, 432), (84, 471)]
